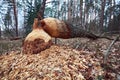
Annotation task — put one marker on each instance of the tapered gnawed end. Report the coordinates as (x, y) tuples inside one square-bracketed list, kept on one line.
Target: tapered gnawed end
[(37, 40), (36, 46)]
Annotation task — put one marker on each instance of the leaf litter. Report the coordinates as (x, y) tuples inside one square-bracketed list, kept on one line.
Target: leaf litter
[(61, 62)]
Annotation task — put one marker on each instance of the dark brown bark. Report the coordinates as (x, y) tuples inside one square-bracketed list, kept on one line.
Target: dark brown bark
[(41, 10), (110, 12), (76, 31), (0, 32), (81, 5), (15, 16), (102, 15), (85, 18), (69, 10), (64, 29)]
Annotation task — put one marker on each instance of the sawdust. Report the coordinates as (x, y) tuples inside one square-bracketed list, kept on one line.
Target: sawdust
[(56, 63)]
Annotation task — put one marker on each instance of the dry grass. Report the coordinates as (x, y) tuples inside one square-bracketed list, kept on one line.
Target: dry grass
[(7, 45)]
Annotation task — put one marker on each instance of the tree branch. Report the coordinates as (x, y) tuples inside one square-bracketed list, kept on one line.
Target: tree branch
[(108, 50)]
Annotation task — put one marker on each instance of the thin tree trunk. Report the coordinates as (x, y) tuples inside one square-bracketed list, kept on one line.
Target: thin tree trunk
[(112, 9), (84, 16), (58, 6), (57, 17), (69, 10), (110, 13), (102, 15), (81, 5), (15, 16), (73, 11), (41, 10), (0, 32), (25, 12)]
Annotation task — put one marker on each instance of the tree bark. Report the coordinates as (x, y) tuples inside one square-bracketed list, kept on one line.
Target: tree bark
[(69, 10), (63, 29), (15, 16), (102, 15), (41, 10), (0, 32), (81, 5)]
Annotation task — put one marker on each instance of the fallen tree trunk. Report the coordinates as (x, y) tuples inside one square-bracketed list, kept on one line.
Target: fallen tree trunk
[(36, 41), (40, 37), (62, 29)]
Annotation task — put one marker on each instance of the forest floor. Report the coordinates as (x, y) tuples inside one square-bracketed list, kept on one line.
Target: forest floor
[(69, 59)]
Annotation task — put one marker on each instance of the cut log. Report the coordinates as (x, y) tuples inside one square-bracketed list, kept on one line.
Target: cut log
[(55, 28), (62, 29), (36, 41)]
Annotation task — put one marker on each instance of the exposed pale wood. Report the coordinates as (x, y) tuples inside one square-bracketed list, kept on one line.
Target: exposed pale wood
[(55, 28), (62, 29), (36, 41)]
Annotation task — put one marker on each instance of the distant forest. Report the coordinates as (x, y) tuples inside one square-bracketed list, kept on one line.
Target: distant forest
[(97, 16)]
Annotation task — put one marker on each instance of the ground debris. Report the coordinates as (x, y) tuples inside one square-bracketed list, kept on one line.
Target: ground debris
[(56, 63)]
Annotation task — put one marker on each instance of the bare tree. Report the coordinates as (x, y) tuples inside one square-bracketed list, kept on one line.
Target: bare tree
[(15, 16), (0, 32), (81, 5), (63, 11), (41, 10), (69, 9), (102, 15)]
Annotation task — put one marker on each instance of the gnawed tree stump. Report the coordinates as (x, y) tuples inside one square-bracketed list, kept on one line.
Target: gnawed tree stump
[(36, 41)]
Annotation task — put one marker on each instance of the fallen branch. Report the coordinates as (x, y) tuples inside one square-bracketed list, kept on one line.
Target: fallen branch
[(108, 50)]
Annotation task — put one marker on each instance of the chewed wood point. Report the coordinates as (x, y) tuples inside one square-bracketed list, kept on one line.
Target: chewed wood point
[(37, 40)]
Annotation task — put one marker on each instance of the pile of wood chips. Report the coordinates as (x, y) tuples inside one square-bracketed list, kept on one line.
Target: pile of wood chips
[(55, 63)]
